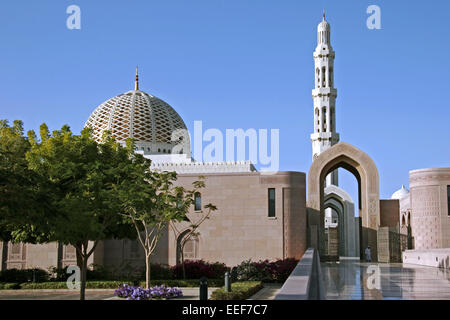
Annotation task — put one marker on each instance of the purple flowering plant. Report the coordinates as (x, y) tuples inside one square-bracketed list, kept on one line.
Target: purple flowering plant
[(157, 292)]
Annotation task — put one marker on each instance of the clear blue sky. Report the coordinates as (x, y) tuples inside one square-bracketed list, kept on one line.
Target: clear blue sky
[(241, 64)]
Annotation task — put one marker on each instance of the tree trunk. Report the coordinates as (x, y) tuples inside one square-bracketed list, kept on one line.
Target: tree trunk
[(79, 256), (84, 271), (182, 263), (147, 271)]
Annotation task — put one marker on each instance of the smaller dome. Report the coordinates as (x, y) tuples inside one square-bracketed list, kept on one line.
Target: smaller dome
[(323, 26), (400, 194)]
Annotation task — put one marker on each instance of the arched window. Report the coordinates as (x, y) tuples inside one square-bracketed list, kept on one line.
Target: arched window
[(70, 252), (331, 77), (323, 77), (190, 251), (197, 201), (331, 120)]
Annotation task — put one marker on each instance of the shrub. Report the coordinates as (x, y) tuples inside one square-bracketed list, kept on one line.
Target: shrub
[(190, 283), (158, 272), (137, 293), (264, 270), (58, 274), (24, 275), (108, 284), (124, 272), (239, 291), (43, 285), (283, 268), (196, 269), (254, 271), (9, 286)]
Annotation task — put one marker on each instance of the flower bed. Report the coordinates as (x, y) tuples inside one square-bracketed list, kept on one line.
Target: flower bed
[(137, 293)]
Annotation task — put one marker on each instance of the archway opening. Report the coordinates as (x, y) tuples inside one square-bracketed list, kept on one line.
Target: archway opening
[(362, 167), (341, 234)]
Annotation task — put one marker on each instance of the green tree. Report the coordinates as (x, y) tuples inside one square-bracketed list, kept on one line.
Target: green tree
[(151, 202), (148, 204), (24, 195), (183, 233), (84, 175)]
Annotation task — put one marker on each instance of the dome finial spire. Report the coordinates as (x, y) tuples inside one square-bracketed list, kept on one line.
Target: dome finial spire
[(136, 83), (324, 14)]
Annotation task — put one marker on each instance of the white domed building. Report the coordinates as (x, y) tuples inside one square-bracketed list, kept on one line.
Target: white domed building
[(261, 215), (400, 193), (159, 132), (403, 196), (156, 127)]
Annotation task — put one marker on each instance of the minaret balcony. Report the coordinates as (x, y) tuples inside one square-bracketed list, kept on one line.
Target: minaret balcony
[(325, 91), (319, 136)]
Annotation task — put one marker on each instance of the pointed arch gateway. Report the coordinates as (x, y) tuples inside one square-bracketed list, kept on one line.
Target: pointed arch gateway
[(344, 155)]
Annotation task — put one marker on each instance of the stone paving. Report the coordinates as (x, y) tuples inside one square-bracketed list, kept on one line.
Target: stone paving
[(269, 292), (91, 294), (354, 280)]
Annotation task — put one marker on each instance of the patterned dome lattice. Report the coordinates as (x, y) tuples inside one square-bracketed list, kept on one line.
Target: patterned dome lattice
[(139, 115)]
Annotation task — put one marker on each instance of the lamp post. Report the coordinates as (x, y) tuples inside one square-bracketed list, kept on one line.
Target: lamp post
[(203, 288), (227, 282)]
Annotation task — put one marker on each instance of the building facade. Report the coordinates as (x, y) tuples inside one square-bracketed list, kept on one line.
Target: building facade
[(262, 215)]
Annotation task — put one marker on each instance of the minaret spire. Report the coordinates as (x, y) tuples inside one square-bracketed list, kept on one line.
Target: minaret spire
[(324, 97), (136, 83)]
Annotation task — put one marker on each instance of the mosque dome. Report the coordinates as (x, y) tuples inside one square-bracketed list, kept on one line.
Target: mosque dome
[(401, 193), (153, 123)]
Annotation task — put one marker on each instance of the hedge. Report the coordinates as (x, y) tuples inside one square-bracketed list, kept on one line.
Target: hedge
[(192, 283), (239, 291), (9, 286)]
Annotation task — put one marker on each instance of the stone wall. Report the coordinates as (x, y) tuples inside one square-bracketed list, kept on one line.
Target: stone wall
[(389, 213), (430, 220), (439, 258), (390, 245), (240, 229)]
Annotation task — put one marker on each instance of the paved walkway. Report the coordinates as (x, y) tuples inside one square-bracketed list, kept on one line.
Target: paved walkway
[(354, 280), (269, 292), (91, 294)]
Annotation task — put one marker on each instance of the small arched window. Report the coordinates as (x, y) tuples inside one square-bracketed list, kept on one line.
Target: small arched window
[(331, 77), (197, 201), (323, 77), (190, 251)]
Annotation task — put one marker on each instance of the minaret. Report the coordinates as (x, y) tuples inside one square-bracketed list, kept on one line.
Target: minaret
[(324, 95), (136, 82)]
